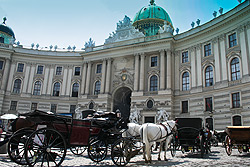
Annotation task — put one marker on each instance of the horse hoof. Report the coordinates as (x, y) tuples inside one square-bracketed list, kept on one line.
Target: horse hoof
[(166, 159), (159, 159)]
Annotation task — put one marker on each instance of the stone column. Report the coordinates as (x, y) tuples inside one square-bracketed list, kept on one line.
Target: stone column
[(45, 82), (198, 65), (83, 78), (108, 76), (26, 78), (248, 41), (70, 73), (136, 72), (142, 72), (243, 48), (88, 78), (217, 71), (103, 76), (32, 73), (223, 58), (51, 74), (64, 83), (11, 75), (169, 69), (5, 74), (193, 66), (162, 68)]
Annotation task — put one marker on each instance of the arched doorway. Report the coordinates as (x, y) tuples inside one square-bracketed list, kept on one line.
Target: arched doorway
[(122, 100)]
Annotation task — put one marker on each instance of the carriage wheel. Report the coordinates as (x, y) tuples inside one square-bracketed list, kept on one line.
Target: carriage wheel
[(97, 149), (173, 147), (16, 145), (45, 147), (228, 145), (121, 152), (78, 150)]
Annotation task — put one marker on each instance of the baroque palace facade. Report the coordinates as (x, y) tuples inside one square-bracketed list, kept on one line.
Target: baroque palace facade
[(203, 72)]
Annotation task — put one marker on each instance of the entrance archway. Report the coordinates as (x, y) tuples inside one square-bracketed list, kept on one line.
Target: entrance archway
[(122, 100)]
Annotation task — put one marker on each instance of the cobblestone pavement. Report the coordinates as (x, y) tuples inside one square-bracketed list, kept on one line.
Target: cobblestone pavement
[(217, 157)]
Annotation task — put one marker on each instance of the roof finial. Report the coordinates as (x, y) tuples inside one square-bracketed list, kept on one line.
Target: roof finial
[(152, 2), (4, 19)]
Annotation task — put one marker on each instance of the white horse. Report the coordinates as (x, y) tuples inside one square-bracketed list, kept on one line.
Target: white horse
[(132, 131), (151, 133)]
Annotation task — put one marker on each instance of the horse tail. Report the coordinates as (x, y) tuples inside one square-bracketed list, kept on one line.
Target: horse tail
[(144, 132)]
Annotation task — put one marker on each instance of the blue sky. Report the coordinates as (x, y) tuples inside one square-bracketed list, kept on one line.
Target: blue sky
[(73, 22)]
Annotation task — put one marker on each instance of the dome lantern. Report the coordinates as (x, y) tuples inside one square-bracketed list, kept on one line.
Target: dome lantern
[(151, 18)]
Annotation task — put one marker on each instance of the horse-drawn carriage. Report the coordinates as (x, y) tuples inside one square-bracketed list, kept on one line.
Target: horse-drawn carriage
[(239, 137), (190, 136), (42, 138)]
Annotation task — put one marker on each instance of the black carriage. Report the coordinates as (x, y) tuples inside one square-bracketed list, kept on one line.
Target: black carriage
[(190, 136), (239, 137), (47, 140)]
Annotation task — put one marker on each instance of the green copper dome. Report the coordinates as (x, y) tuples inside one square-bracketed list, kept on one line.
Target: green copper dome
[(149, 19), (4, 28), (7, 35)]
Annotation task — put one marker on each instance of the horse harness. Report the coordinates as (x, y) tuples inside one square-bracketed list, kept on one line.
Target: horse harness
[(168, 134)]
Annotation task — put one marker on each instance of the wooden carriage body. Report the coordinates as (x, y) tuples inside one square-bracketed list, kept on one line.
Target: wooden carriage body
[(239, 134)]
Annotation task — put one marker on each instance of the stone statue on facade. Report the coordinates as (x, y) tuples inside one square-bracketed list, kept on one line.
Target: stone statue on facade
[(166, 28), (162, 116), (134, 115)]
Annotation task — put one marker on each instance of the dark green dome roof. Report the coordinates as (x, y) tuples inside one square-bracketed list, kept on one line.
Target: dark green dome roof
[(4, 28), (152, 14)]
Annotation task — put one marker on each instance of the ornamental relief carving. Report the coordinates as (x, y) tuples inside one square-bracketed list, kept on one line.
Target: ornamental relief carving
[(235, 49), (123, 77), (207, 63), (153, 72), (185, 66), (209, 59), (233, 54)]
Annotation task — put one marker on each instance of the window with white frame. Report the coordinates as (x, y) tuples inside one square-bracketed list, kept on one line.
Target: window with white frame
[(17, 86), (58, 70), (37, 88), (13, 105), (207, 50), (185, 81), (39, 69), (236, 100), (153, 83), (56, 89), (235, 69), (97, 87), (232, 40), (77, 71), (154, 61), (209, 78), (184, 57), (20, 67)]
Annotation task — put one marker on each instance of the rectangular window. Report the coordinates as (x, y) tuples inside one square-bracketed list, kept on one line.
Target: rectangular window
[(154, 61), (99, 68), (58, 70), (33, 106), (184, 57), (207, 50), (184, 106), (232, 40), (72, 108), (39, 70), (13, 105), (209, 104), (236, 100), (77, 71), (53, 108), (1, 65), (20, 67)]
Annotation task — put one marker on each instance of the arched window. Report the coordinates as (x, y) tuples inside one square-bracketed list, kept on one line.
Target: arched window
[(97, 88), (75, 89), (237, 120), (37, 88), (56, 89), (185, 81), (153, 83), (235, 69), (209, 77), (17, 86)]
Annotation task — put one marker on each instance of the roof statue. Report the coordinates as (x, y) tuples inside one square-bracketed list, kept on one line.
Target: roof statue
[(152, 2), (89, 45), (166, 28), (4, 19)]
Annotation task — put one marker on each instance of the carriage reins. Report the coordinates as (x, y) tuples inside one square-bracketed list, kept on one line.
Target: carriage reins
[(168, 134)]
